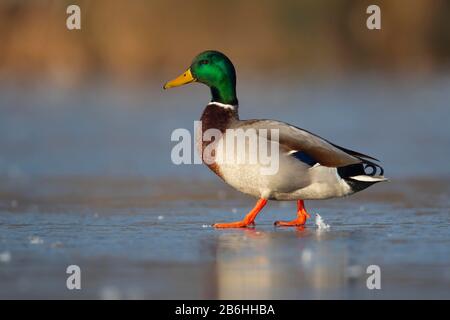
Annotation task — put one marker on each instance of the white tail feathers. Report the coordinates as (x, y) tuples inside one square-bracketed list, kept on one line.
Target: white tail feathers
[(369, 178)]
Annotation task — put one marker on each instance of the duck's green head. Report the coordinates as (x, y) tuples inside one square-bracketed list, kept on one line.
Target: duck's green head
[(214, 69)]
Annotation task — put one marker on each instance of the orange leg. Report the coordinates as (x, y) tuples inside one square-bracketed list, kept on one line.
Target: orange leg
[(302, 216), (248, 220)]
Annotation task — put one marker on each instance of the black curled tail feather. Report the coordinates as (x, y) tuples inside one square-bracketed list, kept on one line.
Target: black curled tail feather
[(366, 163), (365, 168), (361, 175), (377, 170)]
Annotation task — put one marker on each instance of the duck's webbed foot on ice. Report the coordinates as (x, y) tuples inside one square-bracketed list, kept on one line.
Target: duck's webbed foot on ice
[(249, 219), (302, 216)]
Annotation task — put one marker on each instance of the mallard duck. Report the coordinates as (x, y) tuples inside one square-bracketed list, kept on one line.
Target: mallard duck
[(309, 167)]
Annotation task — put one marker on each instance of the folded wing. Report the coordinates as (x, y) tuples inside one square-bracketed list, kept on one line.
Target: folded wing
[(295, 140)]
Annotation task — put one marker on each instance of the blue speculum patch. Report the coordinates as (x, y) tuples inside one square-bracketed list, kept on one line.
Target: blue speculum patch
[(303, 157)]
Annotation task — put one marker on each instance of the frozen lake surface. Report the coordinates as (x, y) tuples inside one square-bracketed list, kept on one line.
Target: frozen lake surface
[(87, 180)]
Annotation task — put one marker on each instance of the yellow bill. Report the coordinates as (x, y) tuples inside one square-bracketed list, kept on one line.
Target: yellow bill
[(183, 79)]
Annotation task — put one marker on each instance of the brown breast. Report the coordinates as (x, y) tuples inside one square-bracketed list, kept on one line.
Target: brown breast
[(214, 117)]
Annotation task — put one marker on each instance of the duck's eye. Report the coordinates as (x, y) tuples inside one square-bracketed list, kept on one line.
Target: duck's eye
[(204, 62)]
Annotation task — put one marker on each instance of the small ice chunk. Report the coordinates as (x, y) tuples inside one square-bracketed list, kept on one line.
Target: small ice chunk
[(160, 217), (234, 210), (5, 257), (320, 223), (206, 226), (36, 240)]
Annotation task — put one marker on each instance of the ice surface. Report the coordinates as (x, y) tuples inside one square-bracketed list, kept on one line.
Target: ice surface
[(35, 240), (5, 257)]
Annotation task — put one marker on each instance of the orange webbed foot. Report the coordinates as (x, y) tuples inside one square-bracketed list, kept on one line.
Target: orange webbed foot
[(302, 216), (294, 223), (249, 219), (237, 224)]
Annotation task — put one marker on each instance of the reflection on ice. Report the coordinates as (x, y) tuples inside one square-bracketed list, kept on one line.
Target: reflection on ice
[(262, 265), (244, 267)]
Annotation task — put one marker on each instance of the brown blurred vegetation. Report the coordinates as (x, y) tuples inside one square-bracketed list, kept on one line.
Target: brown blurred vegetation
[(139, 39)]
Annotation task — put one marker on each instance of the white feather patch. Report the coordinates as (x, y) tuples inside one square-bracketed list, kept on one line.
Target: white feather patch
[(369, 178)]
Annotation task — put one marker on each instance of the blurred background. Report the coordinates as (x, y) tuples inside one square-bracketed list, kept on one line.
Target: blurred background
[(146, 39), (85, 169), (69, 95)]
